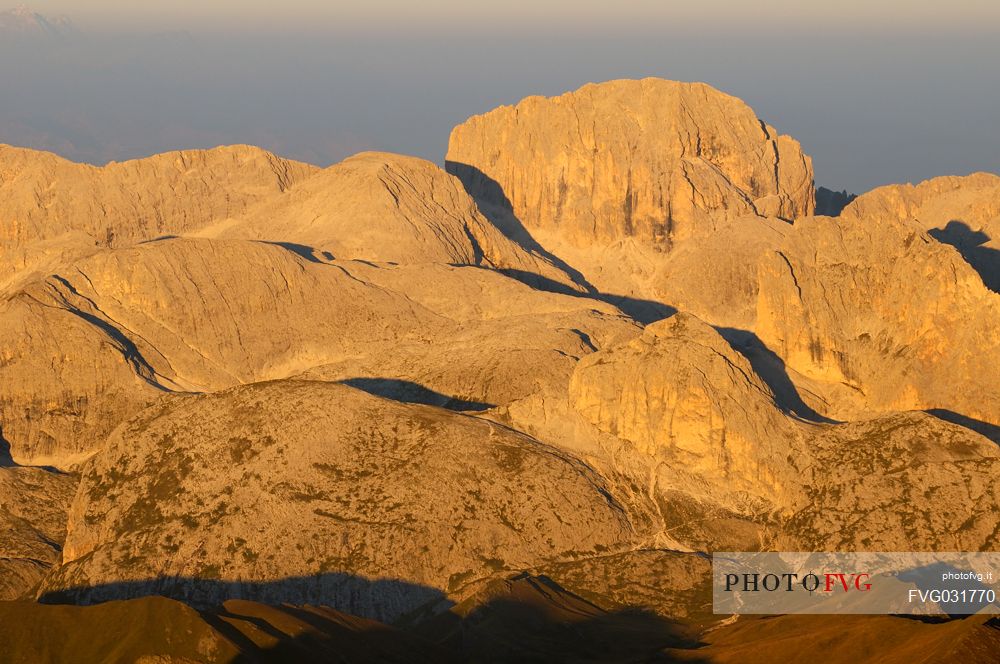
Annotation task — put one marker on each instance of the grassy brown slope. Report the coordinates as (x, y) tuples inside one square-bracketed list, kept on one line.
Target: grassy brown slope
[(156, 630), (850, 640), (127, 631)]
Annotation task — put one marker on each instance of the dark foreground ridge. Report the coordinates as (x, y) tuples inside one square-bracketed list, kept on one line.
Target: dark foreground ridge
[(521, 619)]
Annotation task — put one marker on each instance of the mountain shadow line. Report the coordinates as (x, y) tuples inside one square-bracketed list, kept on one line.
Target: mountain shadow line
[(991, 431), (537, 622), (377, 599), (772, 370), (496, 206), (406, 391), (969, 243)]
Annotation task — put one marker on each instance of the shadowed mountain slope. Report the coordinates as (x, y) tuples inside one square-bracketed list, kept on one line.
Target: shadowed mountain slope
[(152, 630)]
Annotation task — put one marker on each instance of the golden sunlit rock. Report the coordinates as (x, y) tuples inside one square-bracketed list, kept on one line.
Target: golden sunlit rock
[(508, 408)]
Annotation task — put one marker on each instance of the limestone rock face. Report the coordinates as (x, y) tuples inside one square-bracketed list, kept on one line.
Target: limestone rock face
[(95, 343), (961, 211), (64, 379), (680, 418), (124, 326), (649, 160), (714, 275), (684, 398), (654, 192), (51, 208), (933, 203), (387, 208), (876, 317), (33, 506), (364, 387), (309, 485)]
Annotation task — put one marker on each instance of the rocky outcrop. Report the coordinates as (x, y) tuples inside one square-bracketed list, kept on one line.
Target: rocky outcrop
[(961, 211), (33, 506), (307, 487), (682, 397), (875, 317), (349, 387), (714, 275), (52, 209), (617, 178), (649, 160), (119, 329), (933, 203), (693, 435), (389, 209), (96, 342)]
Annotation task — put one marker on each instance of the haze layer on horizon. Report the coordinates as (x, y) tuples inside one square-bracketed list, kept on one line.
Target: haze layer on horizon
[(899, 92), (541, 15)]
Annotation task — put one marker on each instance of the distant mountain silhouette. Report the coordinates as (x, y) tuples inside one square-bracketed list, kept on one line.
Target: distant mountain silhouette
[(972, 244), (830, 203)]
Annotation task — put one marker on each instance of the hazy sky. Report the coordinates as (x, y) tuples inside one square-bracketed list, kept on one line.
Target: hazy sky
[(882, 92), (552, 13)]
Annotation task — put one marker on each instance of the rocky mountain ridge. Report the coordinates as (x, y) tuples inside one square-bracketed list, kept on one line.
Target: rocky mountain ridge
[(609, 338)]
